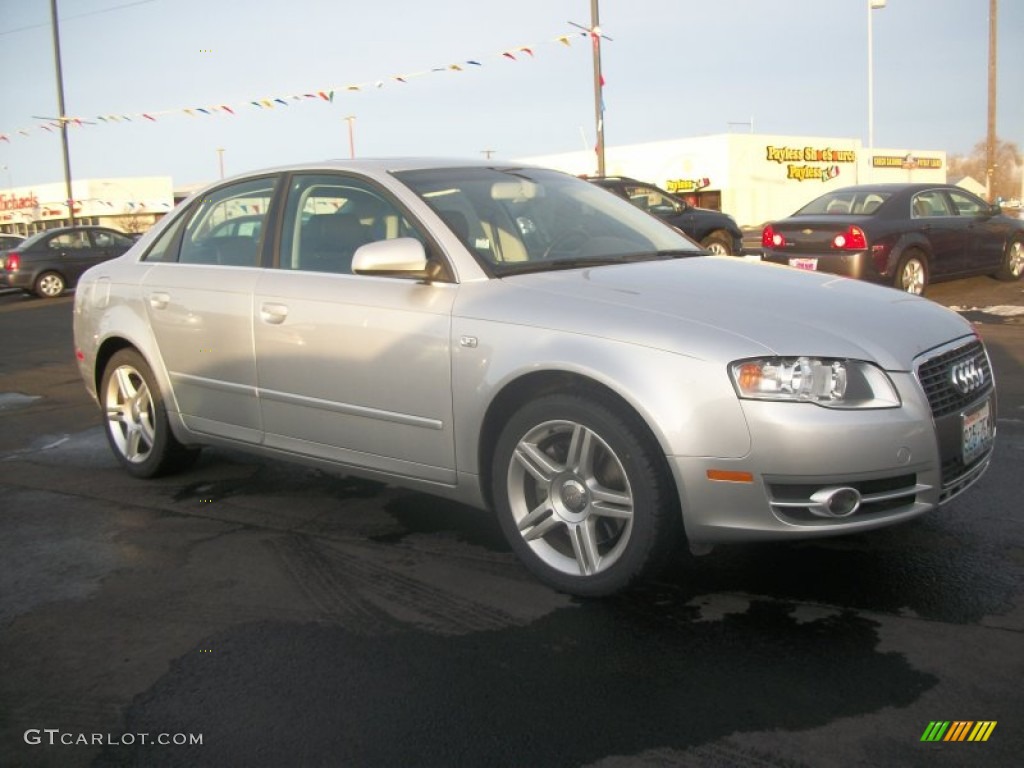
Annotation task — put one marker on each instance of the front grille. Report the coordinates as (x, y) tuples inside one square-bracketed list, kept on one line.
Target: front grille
[(935, 376)]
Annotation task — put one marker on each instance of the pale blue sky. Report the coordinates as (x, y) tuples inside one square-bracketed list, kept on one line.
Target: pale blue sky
[(675, 68)]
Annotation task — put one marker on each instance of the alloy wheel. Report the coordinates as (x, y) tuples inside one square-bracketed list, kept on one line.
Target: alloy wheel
[(130, 414), (570, 498)]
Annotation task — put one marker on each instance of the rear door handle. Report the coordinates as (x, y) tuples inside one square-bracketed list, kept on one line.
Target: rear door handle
[(273, 314), (159, 300)]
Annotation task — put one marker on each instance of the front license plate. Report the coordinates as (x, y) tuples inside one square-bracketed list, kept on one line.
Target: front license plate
[(977, 432), (809, 264)]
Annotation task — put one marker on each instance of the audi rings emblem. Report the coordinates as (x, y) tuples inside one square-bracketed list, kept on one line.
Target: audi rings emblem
[(967, 377)]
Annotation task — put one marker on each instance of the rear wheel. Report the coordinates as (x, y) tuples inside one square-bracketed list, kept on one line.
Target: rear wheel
[(718, 243), (49, 285), (1013, 262), (582, 495), (912, 273), (136, 420)]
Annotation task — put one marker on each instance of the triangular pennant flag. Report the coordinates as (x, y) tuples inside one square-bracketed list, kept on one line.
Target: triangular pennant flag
[(509, 55), (227, 109), (353, 88), (527, 50), (281, 101), (149, 117), (564, 40), (474, 63), (204, 111)]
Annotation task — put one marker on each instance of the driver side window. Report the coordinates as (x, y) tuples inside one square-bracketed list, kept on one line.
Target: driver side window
[(651, 199)]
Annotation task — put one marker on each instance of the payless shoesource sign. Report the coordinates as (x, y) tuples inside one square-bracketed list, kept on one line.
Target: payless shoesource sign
[(798, 161)]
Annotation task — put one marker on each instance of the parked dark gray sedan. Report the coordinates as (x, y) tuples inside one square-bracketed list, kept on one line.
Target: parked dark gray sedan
[(522, 341), (904, 235), (50, 262)]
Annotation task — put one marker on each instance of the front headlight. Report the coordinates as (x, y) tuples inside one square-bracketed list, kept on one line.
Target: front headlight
[(831, 382)]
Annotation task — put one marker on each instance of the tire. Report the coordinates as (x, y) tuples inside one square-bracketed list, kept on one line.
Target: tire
[(1013, 262), (912, 273), (718, 243), (583, 495), (136, 421), (49, 285)]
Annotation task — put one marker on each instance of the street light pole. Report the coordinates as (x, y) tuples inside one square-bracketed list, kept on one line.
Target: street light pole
[(61, 115), (872, 6), (351, 137)]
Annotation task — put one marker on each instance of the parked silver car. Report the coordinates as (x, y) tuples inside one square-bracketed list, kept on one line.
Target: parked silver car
[(521, 341)]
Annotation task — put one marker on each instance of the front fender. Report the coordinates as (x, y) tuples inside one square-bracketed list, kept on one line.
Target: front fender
[(688, 403)]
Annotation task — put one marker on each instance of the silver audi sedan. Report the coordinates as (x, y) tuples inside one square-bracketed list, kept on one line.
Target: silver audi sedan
[(521, 341)]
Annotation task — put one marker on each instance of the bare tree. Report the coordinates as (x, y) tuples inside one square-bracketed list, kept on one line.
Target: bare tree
[(1006, 175)]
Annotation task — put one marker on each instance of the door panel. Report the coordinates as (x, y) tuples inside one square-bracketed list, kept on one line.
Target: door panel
[(202, 319), (355, 369), (358, 370)]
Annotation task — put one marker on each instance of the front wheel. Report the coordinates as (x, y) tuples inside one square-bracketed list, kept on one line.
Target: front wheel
[(1013, 262), (582, 495), (136, 419), (912, 273), (718, 244)]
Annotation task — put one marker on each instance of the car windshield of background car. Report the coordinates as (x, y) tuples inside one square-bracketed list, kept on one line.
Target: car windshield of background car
[(528, 220)]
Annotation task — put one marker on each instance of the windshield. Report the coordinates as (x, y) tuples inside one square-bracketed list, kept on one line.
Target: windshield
[(844, 202), (523, 220)]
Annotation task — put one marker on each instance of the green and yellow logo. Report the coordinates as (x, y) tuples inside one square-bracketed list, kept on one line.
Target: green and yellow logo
[(959, 730)]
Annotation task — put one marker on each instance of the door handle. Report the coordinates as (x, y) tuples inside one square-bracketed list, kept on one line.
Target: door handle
[(273, 314), (159, 300)]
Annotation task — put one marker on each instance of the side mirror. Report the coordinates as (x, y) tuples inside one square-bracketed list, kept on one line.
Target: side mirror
[(399, 257)]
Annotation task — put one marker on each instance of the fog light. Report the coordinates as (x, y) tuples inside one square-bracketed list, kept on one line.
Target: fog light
[(835, 502)]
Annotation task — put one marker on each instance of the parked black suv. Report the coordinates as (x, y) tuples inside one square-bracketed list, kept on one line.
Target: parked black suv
[(51, 261), (715, 231)]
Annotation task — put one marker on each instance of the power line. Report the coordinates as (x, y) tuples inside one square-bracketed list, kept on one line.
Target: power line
[(77, 16)]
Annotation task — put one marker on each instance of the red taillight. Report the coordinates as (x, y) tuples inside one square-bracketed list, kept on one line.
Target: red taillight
[(771, 239), (12, 262), (852, 239)]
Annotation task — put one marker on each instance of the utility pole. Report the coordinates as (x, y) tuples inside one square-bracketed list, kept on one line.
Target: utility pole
[(595, 37), (990, 143), (220, 160), (60, 113)]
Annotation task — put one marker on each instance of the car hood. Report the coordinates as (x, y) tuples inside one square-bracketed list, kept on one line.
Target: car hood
[(728, 308)]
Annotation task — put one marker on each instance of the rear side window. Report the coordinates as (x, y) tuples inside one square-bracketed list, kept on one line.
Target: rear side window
[(930, 204), (224, 228)]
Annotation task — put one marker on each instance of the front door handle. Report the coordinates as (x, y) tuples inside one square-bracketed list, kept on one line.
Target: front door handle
[(273, 314), (159, 300)]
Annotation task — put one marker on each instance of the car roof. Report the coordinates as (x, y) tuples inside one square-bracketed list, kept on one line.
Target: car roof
[(894, 187), (389, 165)]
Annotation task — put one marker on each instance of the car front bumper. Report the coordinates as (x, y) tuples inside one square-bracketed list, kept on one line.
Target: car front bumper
[(901, 461)]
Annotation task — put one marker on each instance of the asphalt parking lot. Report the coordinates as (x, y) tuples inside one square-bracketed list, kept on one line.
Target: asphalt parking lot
[(289, 616)]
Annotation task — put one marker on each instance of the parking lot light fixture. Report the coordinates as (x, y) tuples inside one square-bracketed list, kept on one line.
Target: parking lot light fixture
[(873, 5)]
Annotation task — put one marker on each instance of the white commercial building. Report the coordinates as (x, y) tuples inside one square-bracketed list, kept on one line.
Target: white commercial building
[(756, 177), (128, 204)]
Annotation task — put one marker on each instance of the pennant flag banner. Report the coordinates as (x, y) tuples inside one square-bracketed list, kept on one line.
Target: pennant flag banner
[(263, 103)]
